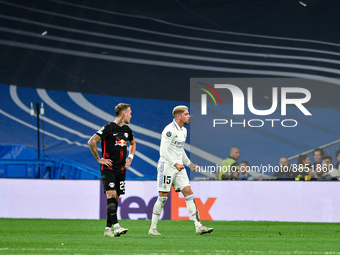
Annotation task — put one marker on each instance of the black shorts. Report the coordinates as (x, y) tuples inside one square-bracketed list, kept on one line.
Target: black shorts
[(113, 181)]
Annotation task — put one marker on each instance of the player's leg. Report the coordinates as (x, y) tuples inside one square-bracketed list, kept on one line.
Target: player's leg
[(191, 205), (112, 185), (108, 186), (111, 208), (120, 189), (165, 176), (182, 183), (156, 212), (108, 221)]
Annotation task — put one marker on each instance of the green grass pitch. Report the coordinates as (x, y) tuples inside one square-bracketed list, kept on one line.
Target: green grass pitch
[(41, 236)]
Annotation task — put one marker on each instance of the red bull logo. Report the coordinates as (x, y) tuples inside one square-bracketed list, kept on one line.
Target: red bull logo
[(121, 143)]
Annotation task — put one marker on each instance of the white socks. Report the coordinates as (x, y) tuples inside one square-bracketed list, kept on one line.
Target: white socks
[(157, 209), (192, 208)]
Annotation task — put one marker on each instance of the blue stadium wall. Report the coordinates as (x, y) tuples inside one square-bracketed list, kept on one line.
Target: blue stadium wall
[(84, 58), (71, 118)]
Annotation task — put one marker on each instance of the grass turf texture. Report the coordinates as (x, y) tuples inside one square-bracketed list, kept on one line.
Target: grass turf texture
[(41, 236)]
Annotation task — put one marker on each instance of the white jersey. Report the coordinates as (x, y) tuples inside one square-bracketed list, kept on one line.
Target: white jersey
[(172, 145)]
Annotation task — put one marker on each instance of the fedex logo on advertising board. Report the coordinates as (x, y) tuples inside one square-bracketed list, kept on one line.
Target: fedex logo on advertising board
[(135, 207)]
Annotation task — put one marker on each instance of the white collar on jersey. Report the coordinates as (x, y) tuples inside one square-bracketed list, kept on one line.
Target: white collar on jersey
[(176, 125)]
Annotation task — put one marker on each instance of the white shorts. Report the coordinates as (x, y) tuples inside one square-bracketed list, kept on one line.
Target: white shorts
[(169, 175)]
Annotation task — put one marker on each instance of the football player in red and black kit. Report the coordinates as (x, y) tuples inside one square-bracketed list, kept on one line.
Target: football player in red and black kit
[(114, 137)]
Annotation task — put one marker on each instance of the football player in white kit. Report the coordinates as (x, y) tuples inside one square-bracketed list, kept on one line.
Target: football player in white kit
[(171, 171)]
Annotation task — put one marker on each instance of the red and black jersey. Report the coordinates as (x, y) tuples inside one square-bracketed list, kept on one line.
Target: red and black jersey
[(114, 141)]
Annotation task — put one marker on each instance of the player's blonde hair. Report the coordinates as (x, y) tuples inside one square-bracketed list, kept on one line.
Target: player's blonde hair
[(179, 109), (121, 108)]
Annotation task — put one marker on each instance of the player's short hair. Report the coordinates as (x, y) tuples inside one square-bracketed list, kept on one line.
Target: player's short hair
[(121, 107), (179, 109)]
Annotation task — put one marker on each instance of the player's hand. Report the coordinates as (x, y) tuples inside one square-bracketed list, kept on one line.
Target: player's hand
[(193, 167), (128, 163), (179, 167), (105, 161)]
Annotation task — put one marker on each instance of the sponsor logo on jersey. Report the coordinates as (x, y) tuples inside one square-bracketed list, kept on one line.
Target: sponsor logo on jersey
[(121, 143), (179, 145)]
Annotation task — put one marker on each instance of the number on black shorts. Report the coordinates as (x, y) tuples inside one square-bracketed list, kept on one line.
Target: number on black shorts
[(122, 186)]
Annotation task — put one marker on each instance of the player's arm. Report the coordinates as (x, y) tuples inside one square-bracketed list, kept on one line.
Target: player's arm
[(92, 142), (187, 161), (132, 151), (166, 139)]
